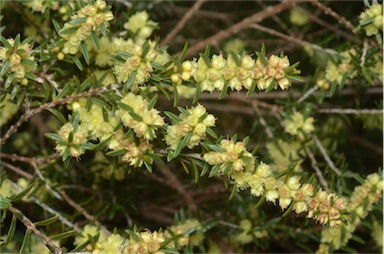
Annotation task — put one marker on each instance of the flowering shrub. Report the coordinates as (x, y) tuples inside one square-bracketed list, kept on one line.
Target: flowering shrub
[(123, 134)]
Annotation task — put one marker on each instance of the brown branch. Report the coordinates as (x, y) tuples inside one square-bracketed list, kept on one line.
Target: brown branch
[(245, 23), (329, 11), (182, 22), (28, 113), (29, 224), (39, 160), (178, 186), (331, 27)]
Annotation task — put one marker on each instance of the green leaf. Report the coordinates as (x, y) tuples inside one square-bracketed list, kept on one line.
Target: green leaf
[(182, 143), (211, 133), (233, 192), (262, 58), (58, 114), (5, 42), (252, 88), (148, 167), (68, 31), (217, 148), (124, 106), (11, 231), (129, 82), (56, 26), (9, 80), (197, 93), (135, 116), (116, 153), (184, 111), (235, 57), (53, 136), (101, 144), (77, 62), (77, 21), (62, 236), (175, 95), (145, 48), (84, 51), (174, 118), (133, 234), (157, 66), (95, 39), (23, 193), (295, 77), (47, 221), (182, 55), (153, 102), (123, 54), (5, 67), (27, 235), (289, 69), (5, 203), (224, 92), (205, 169), (215, 169), (103, 30), (81, 246), (206, 60)]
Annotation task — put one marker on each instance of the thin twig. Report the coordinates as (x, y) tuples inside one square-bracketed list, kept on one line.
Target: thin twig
[(81, 210), (245, 23), (307, 94), (329, 11), (182, 22), (325, 155), (47, 208), (262, 120), (39, 160), (178, 186), (330, 27), (17, 170), (364, 53), (29, 224), (292, 38), (317, 170), (350, 111), (28, 113)]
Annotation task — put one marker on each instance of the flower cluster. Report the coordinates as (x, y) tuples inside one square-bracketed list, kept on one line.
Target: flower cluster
[(236, 71), (372, 19), (71, 139), (183, 234), (139, 117), (248, 232), (187, 233), (194, 120), (94, 120), (327, 208), (234, 160), (91, 18), (91, 231), (336, 72), (103, 129), (296, 125), (360, 204), (137, 63), (42, 5), (140, 25), (17, 60), (231, 158)]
